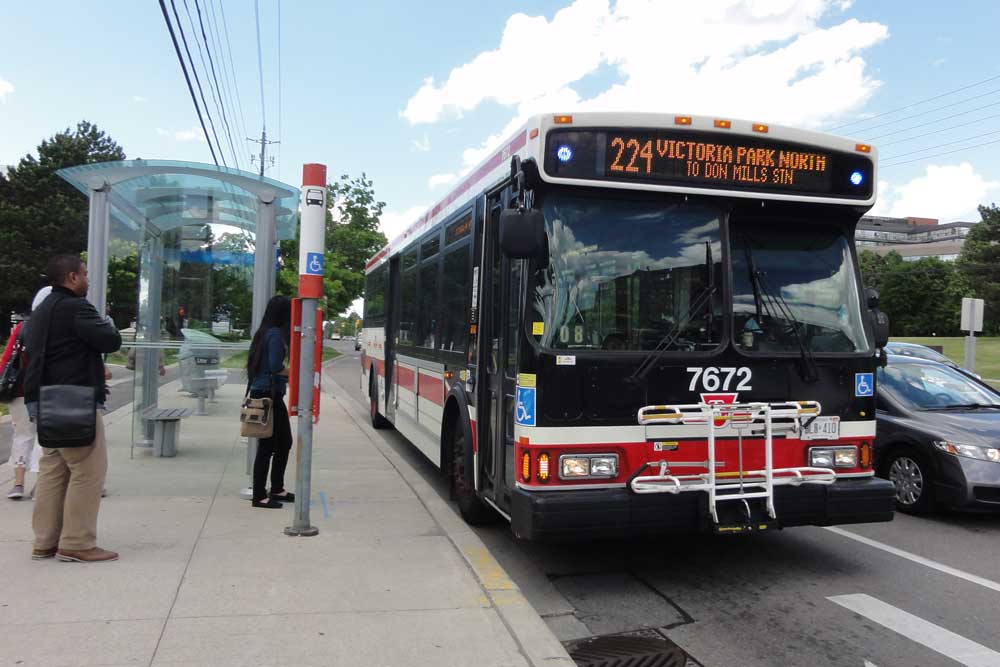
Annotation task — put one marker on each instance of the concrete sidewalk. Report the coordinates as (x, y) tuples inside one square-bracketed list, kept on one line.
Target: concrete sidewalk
[(394, 577)]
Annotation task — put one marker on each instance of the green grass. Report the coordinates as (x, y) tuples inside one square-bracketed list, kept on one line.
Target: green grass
[(120, 358), (239, 360), (3, 410), (987, 352)]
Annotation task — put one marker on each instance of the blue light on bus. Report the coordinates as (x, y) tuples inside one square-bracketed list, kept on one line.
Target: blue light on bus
[(565, 153), (857, 178)]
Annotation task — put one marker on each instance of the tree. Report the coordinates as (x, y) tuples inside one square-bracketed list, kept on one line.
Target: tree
[(352, 237), (41, 214), (921, 298), (979, 263)]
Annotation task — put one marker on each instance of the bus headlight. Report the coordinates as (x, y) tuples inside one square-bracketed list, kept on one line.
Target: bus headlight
[(577, 466), (833, 457)]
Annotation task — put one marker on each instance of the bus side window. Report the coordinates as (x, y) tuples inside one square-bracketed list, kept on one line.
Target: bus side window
[(408, 298), (457, 281)]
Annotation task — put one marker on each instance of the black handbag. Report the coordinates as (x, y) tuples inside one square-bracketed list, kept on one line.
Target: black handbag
[(67, 413), (10, 374)]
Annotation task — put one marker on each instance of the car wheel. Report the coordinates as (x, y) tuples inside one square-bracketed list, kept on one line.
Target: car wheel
[(473, 510), (911, 472)]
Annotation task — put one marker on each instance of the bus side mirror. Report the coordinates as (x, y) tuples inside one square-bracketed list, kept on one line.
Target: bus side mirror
[(522, 233), (880, 321)]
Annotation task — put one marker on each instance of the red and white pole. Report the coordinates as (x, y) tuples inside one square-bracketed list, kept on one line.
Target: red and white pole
[(312, 237)]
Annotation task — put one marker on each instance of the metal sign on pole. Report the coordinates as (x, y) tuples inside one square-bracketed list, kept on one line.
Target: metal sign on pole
[(972, 321), (312, 235)]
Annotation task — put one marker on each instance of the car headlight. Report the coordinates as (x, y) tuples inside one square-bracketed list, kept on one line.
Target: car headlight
[(833, 457), (574, 466), (969, 451)]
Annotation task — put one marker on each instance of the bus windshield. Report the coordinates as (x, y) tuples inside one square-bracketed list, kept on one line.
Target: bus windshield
[(623, 274), (794, 285)]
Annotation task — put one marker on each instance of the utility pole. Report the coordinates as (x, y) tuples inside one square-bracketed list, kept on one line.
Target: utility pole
[(264, 143)]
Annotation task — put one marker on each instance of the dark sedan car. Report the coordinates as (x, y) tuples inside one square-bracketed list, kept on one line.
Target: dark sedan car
[(924, 352), (938, 436)]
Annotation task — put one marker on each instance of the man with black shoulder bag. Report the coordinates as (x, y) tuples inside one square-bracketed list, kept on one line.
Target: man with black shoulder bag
[(64, 389)]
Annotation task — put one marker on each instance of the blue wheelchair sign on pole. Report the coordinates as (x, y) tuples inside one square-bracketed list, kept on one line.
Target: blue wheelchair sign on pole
[(863, 384), (524, 409), (314, 263)]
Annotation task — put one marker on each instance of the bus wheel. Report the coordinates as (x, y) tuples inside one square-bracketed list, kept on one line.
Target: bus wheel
[(473, 510), (378, 421)]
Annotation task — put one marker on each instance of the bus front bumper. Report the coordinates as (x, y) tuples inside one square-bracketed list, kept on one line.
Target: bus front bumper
[(616, 513)]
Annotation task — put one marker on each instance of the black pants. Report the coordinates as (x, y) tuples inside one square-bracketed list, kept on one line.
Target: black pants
[(276, 447)]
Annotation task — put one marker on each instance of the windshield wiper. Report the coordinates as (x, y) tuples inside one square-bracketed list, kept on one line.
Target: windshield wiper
[(807, 369), (965, 406), (704, 297)]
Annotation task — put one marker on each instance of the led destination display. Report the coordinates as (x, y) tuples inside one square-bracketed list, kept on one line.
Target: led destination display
[(703, 159)]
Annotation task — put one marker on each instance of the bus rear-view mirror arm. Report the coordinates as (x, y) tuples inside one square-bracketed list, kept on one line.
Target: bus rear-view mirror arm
[(522, 227), (880, 321)]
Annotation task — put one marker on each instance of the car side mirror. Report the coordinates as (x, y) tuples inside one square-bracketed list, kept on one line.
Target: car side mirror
[(522, 233)]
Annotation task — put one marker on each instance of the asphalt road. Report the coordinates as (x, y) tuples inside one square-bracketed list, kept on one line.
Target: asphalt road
[(913, 592)]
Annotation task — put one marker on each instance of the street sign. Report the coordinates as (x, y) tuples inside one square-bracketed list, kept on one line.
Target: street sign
[(972, 315), (312, 231)]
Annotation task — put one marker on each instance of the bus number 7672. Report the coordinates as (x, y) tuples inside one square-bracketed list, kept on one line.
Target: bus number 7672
[(719, 379)]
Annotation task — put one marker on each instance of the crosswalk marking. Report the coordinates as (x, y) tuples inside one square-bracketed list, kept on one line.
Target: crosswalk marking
[(947, 643)]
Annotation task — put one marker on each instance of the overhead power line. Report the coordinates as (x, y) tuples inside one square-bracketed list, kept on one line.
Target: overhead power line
[(915, 104), (232, 66), (946, 106), (927, 134), (927, 157), (194, 99), (948, 143), (215, 80), (260, 65), (213, 21), (279, 88), (197, 81)]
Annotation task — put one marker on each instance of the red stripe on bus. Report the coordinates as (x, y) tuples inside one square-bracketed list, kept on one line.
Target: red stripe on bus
[(431, 388), (406, 377), (498, 158)]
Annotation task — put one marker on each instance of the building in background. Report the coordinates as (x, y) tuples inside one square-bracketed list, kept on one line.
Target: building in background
[(912, 238)]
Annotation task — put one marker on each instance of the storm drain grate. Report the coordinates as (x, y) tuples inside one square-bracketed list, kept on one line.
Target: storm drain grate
[(641, 649)]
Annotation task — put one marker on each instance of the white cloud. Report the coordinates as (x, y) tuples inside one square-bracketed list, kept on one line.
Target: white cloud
[(139, 99), (6, 88), (162, 132), (421, 145), (947, 192), (194, 134), (394, 222), (937, 62), (764, 60), (438, 180)]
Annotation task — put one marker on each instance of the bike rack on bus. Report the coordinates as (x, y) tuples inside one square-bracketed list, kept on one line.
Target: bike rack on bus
[(752, 418)]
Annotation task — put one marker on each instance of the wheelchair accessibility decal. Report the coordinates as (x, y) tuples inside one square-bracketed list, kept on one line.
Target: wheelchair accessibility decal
[(524, 408), (863, 385), (314, 263)]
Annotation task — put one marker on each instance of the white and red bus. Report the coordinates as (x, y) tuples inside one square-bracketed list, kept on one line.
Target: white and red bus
[(625, 323)]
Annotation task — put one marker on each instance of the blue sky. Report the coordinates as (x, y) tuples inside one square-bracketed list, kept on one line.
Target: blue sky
[(414, 94)]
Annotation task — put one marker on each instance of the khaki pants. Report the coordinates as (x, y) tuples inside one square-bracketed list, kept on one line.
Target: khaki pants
[(68, 494)]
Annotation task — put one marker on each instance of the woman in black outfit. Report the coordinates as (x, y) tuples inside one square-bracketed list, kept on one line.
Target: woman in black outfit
[(268, 379)]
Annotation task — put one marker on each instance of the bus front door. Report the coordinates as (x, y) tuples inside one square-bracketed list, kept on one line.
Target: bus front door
[(391, 336), (499, 348)]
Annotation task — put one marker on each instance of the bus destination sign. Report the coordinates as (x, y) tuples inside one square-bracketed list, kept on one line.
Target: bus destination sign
[(701, 159)]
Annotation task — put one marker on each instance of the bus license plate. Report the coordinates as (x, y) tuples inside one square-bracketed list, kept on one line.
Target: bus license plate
[(822, 428)]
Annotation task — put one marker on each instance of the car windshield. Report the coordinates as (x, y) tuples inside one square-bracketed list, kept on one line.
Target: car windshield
[(918, 351), (793, 282), (623, 274), (934, 387)]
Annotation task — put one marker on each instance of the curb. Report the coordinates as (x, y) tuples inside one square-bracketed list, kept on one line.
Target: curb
[(534, 638)]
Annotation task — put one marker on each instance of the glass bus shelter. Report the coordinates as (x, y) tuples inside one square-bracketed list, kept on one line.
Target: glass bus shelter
[(194, 251)]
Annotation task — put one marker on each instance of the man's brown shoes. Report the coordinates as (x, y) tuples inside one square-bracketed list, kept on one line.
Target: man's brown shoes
[(95, 555)]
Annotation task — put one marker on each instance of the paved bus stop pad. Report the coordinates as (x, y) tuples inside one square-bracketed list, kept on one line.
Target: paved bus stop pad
[(394, 577)]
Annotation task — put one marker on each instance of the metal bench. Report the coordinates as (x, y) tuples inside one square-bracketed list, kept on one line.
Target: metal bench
[(166, 428), (203, 388)]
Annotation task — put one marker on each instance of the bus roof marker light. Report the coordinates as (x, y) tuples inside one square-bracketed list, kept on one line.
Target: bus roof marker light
[(863, 148), (682, 120), (760, 127), (564, 153), (533, 134), (857, 178), (562, 120), (723, 124)]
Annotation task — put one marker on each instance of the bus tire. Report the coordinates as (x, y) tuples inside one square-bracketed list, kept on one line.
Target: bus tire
[(473, 510), (378, 421)]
